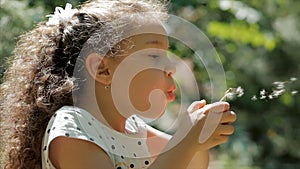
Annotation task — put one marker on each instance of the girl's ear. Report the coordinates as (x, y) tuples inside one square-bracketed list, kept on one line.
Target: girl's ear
[(98, 68)]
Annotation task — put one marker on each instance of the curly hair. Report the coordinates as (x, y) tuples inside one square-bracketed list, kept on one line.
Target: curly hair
[(40, 78)]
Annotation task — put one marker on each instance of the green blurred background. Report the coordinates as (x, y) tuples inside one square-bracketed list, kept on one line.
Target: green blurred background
[(258, 43)]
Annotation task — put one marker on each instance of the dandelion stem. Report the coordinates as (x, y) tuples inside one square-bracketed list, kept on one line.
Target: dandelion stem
[(226, 94)]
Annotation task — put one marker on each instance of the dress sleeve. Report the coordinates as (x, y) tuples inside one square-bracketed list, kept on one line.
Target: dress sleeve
[(73, 124)]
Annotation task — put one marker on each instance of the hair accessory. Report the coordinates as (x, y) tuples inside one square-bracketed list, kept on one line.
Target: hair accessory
[(61, 16)]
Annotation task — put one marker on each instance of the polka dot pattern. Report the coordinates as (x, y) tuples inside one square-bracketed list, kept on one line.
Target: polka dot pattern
[(125, 150)]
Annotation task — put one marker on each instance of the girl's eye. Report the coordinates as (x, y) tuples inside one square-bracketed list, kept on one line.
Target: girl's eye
[(154, 56)]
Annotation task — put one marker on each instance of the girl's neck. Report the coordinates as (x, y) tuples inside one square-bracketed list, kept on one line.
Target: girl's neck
[(102, 108), (113, 118)]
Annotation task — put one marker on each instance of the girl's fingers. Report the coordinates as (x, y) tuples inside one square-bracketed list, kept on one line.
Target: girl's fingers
[(216, 107), (228, 117), (222, 139), (224, 130), (217, 141), (196, 105)]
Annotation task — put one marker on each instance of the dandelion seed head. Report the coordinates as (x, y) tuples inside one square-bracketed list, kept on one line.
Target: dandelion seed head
[(230, 96), (232, 93), (239, 91)]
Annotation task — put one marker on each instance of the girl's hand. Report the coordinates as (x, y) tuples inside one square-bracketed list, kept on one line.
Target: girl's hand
[(205, 126), (189, 147)]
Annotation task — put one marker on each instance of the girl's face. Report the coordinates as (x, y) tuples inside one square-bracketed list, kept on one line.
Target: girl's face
[(148, 69)]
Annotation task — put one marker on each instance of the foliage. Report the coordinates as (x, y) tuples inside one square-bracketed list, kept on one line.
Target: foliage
[(240, 31), (256, 41), (258, 44), (15, 18)]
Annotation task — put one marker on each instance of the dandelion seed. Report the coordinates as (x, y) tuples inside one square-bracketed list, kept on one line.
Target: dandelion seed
[(279, 92), (280, 89), (277, 83), (254, 98), (262, 92), (293, 79), (280, 86), (276, 94), (262, 97), (294, 92)]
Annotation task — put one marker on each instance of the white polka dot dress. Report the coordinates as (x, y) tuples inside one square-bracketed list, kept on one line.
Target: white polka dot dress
[(125, 150)]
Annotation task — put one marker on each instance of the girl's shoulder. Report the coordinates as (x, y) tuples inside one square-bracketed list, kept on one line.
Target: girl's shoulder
[(75, 130), (71, 127), (75, 113), (74, 122)]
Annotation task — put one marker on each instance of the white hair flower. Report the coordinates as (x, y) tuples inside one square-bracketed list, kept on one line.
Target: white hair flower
[(61, 15)]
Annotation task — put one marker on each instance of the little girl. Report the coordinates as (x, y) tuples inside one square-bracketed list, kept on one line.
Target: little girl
[(80, 84)]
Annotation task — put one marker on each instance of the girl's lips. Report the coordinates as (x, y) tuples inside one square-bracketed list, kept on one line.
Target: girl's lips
[(171, 95)]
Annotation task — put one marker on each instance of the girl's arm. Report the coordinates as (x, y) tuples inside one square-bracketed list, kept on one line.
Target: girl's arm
[(183, 149), (66, 153), (158, 140)]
